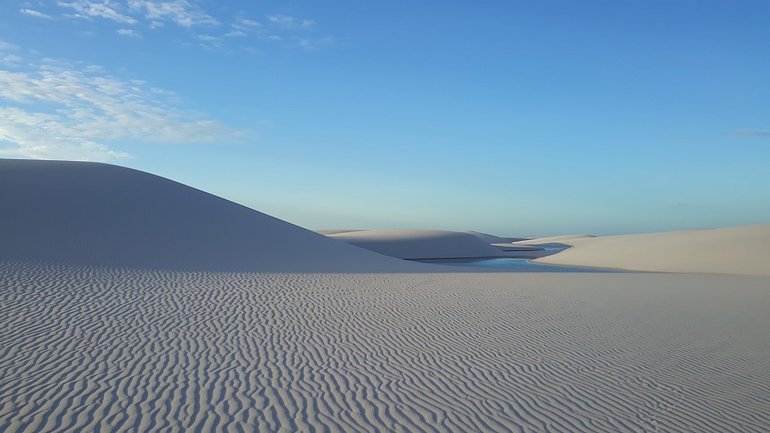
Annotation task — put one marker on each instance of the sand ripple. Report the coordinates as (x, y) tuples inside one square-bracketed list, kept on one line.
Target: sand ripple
[(86, 349)]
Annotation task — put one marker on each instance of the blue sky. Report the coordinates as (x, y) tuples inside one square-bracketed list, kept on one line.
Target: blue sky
[(511, 117)]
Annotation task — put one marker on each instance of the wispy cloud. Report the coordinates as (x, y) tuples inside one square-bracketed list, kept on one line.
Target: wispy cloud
[(93, 9), (209, 41), (314, 43), (60, 109), (128, 32), (132, 12), (7, 46), (748, 133), (242, 27), (180, 12), (289, 22), (133, 17), (35, 13)]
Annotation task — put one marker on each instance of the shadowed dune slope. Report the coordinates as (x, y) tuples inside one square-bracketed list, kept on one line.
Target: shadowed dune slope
[(99, 214), (420, 244), (736, 250)]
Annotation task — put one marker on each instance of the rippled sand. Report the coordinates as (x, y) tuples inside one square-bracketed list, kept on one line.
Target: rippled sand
[(96, 349)]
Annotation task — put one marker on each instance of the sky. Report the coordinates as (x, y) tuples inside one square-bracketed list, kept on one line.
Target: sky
[(517, 118)]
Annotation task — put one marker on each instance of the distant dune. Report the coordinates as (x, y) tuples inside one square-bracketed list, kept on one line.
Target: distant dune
[(420, 244), (737, 250), (99, 214)]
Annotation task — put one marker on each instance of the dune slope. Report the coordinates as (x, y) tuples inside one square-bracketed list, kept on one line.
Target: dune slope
[(735, 250), (99, 214)]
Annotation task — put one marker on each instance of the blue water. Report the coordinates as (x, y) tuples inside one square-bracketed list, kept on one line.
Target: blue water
[(513, 265)]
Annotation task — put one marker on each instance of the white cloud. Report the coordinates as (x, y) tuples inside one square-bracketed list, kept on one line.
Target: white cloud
[(133, 18), (106, 9), (209, 41), (54, 109), (7, 46), (34, 13), (128, 32), (245, 22), (242, 27), (180, 12), (289, 22), (314, 43), (43, 136), (208, 38)]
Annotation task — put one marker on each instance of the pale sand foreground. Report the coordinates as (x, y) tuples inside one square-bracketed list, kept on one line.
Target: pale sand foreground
[(88, 349), (736, 250)]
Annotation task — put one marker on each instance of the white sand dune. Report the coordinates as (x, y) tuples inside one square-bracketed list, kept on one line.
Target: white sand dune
[(419, 244), (99, 214), (737, 250), (139, 341)]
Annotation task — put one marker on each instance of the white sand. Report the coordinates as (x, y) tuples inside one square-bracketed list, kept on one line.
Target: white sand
[(83, 349), (738, 250), (128, 348), (419, 244)]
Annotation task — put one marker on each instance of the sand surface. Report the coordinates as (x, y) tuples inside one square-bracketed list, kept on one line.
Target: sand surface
[(736, 250), (86, 349)]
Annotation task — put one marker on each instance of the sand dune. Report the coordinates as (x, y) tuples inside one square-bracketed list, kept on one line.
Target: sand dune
[(737, 250), (99, 214), (419, 244)]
